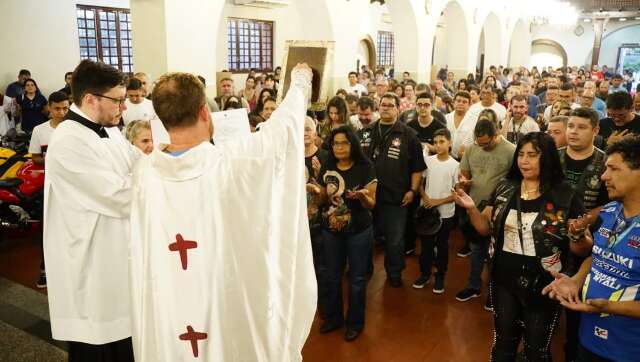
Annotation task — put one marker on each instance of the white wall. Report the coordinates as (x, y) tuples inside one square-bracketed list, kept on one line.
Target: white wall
[(42, 36), (613, 39), (544, 55), (579, 48)]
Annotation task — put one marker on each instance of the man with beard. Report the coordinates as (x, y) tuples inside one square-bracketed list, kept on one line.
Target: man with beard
[(87, 197), (517, 123), (604, 290)]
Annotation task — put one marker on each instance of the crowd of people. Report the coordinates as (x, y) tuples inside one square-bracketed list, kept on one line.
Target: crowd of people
[(535, 168)]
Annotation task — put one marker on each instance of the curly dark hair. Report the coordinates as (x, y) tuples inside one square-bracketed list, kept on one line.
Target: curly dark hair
[(550, 168), (629, 149)]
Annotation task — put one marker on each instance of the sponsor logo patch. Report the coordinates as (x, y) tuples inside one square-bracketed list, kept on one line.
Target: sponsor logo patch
[(601, 333)]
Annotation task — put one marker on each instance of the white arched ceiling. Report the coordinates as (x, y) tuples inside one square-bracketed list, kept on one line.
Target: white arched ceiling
[(519, 45), (451, 46)]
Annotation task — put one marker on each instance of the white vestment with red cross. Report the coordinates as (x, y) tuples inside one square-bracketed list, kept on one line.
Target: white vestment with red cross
[(221, 265)]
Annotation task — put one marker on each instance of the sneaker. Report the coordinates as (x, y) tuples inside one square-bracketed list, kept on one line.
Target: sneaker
[(410, 252), (438, 286), (464, 252), (42, 280), (421, 281), (488, 306), (466, 294)]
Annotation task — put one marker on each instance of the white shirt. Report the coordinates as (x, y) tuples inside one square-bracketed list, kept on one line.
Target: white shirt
[(87, 194), (512, 238), (441, 177), (248, 282), (141, 111), (475, 110), (463, 135), (357, 89), (527, 126), (5, 123), (40, 138)]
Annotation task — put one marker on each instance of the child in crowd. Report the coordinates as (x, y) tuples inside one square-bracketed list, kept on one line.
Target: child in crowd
[(440, 176)]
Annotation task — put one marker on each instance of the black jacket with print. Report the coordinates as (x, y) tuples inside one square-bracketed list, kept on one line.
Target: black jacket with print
[(550, 226)]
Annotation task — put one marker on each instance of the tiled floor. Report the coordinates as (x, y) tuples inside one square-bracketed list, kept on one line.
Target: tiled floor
[(402, 325)]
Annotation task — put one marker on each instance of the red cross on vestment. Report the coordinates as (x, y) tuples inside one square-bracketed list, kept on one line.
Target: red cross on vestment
[(182, 246), (193, 337)]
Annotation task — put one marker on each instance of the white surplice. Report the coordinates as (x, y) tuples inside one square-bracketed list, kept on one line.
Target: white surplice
[(87, 196), (247, 283)]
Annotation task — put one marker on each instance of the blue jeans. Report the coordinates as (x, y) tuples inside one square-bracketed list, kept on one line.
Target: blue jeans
[(356, 248), (320, 266), (479, 249), (392, 221)]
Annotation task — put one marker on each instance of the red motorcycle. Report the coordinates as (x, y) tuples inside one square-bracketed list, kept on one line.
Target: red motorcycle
[(21, 198)]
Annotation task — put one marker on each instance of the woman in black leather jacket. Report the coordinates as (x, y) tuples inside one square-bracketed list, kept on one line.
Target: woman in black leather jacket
[(528, 219)]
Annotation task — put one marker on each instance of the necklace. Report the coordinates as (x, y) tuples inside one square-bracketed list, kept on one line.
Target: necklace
[(524, 193), (621, 229)]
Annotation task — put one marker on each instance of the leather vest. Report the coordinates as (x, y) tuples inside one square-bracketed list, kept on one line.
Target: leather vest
[(550, 226), (589, 187)]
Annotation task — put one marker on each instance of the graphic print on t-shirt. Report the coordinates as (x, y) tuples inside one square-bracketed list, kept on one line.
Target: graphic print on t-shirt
[(511, 237), (338, 214)]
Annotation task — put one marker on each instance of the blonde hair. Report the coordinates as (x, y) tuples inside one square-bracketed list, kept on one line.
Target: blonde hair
[(134, 127)]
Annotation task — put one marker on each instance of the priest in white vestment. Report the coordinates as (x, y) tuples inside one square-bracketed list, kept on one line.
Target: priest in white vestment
[(87, 196), (221, 266)]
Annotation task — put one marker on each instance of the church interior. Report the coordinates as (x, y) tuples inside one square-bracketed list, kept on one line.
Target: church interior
[(445, 47)]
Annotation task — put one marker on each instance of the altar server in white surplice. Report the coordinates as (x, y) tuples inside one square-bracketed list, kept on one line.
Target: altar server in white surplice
[(221, 264), (87, 197)]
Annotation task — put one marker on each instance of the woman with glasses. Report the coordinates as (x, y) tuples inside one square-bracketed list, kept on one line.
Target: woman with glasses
[(528, 218), (347, 191)]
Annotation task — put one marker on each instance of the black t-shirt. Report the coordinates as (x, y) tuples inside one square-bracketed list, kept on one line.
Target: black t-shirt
[(573, 175), (575, 169), (425, 134), (607, 127), (509, 265), (342, 214), (411, 114), (322, 155), (397, 154)]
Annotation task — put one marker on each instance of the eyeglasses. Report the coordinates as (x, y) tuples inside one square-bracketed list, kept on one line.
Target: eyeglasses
[(423, 105), (118, 101)]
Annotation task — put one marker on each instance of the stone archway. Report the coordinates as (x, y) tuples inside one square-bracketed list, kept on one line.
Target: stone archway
[(367, 50), (492, 42), (547, 52), (451, 41), (519, 45)]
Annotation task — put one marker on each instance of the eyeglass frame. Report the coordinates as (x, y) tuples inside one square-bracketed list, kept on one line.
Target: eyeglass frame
[(118, 101)]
